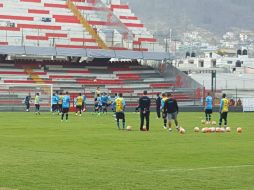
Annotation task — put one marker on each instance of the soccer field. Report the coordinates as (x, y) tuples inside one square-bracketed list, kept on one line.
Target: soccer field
[(88, 152)]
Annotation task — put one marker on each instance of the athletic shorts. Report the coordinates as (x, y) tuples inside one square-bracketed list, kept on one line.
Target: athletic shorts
[(224, 115), (79, 107), (164, 115), (120, 115), (37, 106), (172, 116), (65, 110), (54, 107), (208, 111)]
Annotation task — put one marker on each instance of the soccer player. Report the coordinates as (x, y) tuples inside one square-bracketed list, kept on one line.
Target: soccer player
[(97, 104), (84, 103), (79, 103), (171, 109), (120, 107), (57, 105), (158, 106), (109, 100), (27, 102), (54, 103), (66, 106), (60, 103), (104, 101), (208, 107), (97, 92), (144, 107), (37, 103), (164, 115), (114, 103), (224, 108)]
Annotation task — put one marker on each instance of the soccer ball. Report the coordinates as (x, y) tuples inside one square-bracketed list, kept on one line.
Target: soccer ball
[(239, 130), (228, 129), (213, 129), (196, 129), (144, 128), (182, 130), (204, 130), (207, 123), (202, 121), (222, 130), (129, 128), (218, 129), (214, 123), (209, 130)]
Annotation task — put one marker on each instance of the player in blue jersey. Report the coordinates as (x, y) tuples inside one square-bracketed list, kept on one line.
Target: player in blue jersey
[(84, 103), (97, 104), (55, 100), (104, 101), (208, 107), (109, 100), (65, 106), (114, 103)]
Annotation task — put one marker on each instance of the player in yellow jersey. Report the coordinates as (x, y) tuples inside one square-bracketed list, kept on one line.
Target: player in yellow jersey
[(37, 103), (60, 103), (224, 108), (120, 107), (79, 103)]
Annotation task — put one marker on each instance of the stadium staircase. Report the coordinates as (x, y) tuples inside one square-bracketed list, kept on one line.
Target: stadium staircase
[(35, 77), (86, 25)]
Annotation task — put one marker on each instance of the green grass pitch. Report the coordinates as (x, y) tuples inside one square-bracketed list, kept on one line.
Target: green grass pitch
[(88, 152)]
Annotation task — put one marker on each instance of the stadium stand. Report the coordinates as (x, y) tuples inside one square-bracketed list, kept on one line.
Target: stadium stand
[(73, 24), (130, 78), (68, 44)]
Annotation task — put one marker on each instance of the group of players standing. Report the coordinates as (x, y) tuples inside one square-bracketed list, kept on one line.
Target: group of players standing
[(166, 106), (223, 110), (169, 108)]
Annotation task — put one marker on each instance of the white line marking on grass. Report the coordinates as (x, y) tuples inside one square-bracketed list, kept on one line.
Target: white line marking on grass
[(180, 169), (205, 168)]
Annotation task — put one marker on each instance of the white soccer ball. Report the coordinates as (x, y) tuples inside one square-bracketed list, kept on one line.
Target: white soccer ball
[(214, 123), (218, 129), (182, 130), (239, 130), (204, 130), (228, 129), (222, 130), (213, 129), (196, 129), (207, 122), (129, 128)]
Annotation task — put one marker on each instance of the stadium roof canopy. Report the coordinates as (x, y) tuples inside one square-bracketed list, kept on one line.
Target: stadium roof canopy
[(93, 53)]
